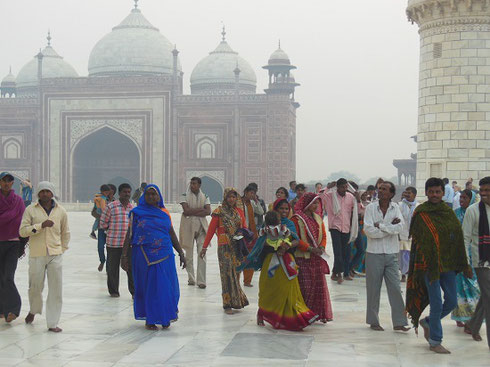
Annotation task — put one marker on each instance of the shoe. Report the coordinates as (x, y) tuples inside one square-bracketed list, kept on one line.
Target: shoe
[(334, 277), (202, 286), (377, 328), (92, 235), (439, 349), (29, 318), (423, 324), (404, 278), (115, 295), (401, 328), (460, 324), (250, 285), (190, 282), (340, 280), (228, 311)]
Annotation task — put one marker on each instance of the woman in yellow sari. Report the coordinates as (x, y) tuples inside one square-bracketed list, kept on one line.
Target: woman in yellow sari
[(280, 301)]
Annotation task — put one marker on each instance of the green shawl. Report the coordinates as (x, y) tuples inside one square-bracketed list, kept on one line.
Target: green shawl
[(437, 247)]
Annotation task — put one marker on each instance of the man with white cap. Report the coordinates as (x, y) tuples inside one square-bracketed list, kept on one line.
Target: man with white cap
[(46, 224)]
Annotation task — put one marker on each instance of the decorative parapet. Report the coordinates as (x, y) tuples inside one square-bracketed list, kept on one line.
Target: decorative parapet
[(245, 98), (18, 101), (458, 14)]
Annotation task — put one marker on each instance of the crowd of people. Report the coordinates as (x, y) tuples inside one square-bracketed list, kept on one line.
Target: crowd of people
[(439, 248)]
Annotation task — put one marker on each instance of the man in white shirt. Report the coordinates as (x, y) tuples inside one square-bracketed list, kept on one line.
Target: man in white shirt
[(457, 196), (476, 232), (383, 222), (448, 193)]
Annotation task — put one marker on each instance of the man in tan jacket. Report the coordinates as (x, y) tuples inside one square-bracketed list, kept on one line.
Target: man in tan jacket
[(193, 227), (45, 222)]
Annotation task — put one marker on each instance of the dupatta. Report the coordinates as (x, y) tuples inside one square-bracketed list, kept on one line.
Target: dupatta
[(151, 229)]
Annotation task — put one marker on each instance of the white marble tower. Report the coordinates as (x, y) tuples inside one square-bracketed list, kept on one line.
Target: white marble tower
[(454, 88)]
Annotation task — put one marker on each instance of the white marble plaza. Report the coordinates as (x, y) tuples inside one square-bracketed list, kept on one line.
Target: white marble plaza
[(99, 331)]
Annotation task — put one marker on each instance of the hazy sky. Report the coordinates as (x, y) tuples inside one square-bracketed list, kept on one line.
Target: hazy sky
[(357, 62)]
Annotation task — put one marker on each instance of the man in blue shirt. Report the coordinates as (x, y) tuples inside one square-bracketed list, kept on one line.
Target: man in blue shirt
[(292, 190), (448, 193)]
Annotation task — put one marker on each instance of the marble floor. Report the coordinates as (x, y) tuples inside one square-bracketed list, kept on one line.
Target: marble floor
[(100, 331)]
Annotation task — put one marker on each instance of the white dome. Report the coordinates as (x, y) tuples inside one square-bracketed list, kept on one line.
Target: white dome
[(133, 47), (53, 67), (9, 79), (279, 57), (215, 73)]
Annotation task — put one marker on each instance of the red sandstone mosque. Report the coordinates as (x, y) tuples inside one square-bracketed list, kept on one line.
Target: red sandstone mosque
[(129, 121)]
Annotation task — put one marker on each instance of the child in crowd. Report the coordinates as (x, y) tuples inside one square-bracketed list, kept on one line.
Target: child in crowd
[(100, 201)]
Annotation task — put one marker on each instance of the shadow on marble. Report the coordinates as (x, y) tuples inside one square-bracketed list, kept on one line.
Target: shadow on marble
[(273, 346)]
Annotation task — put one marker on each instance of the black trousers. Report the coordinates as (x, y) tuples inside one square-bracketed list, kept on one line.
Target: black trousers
[(112, 266), (10, 301), (341, 252)]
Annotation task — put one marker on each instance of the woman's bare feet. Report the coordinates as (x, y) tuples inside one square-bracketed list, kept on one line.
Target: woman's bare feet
[(101, 267), (260, 321), (55, 329), (11, 317), (151, 327), (228, 311), (404, 278), (29, 318), (459, 324), (165, 326), (340, 280)]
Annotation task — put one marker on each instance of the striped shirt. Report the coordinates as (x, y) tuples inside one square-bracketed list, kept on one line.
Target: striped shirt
[(115, 220)]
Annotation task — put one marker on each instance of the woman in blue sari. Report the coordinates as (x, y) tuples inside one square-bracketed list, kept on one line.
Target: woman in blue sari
[(468, 291), (152, 239)]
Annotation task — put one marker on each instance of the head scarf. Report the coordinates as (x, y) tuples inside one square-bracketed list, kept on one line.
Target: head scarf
[(305, 202), (151, 224), (230, 218), (279, 202), (460, 212), (11, 210)]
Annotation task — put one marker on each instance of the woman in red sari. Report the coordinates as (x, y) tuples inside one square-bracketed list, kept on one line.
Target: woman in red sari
[(312, 267)]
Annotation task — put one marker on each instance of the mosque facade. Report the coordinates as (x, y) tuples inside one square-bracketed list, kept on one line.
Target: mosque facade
[(129, 121)]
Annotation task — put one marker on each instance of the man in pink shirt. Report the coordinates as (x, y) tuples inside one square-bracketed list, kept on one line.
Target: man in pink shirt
[(339, 205)]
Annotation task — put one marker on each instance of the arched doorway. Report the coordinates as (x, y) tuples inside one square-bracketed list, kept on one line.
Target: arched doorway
[(105, 156), (212, 188)]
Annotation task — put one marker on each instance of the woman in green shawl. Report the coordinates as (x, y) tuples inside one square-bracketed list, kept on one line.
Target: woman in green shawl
[(437, 255)]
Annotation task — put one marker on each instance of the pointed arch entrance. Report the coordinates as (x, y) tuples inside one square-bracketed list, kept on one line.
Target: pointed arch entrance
[(105, 156), (212, 188)]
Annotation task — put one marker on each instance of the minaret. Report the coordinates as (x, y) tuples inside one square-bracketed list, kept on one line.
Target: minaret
[(453, 137), (281, 79)]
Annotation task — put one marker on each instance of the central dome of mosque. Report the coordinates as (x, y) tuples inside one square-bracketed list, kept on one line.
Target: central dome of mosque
[(134, 47), (215, 74)]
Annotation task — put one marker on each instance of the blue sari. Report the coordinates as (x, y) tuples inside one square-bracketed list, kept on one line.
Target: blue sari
[(255, 259), (156, 286), (467, 290)]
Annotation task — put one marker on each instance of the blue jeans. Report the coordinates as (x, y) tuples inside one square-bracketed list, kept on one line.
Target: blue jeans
[(439, 310), (101, 237)]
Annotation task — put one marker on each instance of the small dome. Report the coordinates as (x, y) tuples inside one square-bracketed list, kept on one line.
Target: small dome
[(279, 57), (215, 73), (53, 67), (134, 47), (9, 80)]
